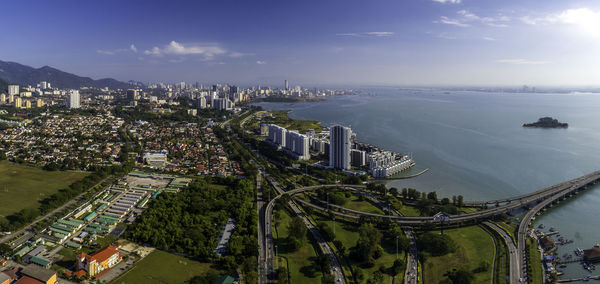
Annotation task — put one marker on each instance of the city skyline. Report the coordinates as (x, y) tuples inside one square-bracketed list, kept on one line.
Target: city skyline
[(426, 42)]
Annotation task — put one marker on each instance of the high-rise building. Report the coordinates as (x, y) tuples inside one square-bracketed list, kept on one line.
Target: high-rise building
[(13, 89), (43, 85), (133, 94), (297, 144), (277, 134), (39, 103), (287, 87), (181, 85), (358, 158), (74, 99), (339, 147), (202, 102), (2, 98)]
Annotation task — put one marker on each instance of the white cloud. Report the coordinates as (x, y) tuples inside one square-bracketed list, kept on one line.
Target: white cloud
[(520, 61), (111, 51), (236, 54), (466, 19), (133, 48), (454, 22), (260, 62), (488, 38), (367, 34), (448, 1), (208, 51)]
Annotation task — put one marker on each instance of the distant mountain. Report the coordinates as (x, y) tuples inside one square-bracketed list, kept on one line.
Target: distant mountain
[(16, 73), (3, 86)]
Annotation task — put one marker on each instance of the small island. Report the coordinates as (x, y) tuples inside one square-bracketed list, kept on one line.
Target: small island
[(547, 122)]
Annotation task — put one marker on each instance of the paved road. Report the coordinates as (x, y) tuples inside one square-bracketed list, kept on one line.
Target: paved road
[(576, 185), (515, 263), (336, 268), (58, 209), (558, 190)]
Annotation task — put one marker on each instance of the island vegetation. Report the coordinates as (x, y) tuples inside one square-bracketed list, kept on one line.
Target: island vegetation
[(547, 122)]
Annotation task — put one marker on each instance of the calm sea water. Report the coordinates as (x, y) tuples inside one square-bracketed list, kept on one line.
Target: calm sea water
[(474, 144)]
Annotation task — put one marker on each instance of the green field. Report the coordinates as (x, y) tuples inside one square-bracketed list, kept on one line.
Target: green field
[(407, 210), (301, 267), (23, 186), (355, 203), (164, 267), (280, 117), (535, 261), (474, 245)]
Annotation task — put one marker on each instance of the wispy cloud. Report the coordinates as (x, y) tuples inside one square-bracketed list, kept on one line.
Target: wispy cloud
[(236, 54), (488, 38), (448, 1), (111, 51), (367, 34), (454, 22), (207, 51), (466, 18), (115, 51), (260, 62), (520, 61)]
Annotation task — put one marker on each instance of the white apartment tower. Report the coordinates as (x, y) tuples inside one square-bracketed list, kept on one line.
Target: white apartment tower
[(74, 99), (13, 90), (339, 147)]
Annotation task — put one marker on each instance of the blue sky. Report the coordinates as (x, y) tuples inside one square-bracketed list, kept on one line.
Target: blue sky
[(337, 42)]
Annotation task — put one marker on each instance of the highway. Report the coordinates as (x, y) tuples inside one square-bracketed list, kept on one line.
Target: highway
[(559, 189), (515, 263), (336, 268)]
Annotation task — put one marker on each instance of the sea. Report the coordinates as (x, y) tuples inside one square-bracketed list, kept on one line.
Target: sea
[(474, 145)]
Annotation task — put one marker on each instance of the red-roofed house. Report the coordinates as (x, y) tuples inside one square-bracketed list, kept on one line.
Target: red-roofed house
[(99, 261)]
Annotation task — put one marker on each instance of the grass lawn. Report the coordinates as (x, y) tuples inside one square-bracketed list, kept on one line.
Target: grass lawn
[(535, 262), (474, 245), (164, 267), (23, 186), (407, 210), (280, 117), (364, 205), (511, 229), (302, 268)]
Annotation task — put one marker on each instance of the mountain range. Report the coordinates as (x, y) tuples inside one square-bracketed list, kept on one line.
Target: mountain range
[(15, 73)]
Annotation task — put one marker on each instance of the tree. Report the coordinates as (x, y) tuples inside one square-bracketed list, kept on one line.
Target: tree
[(436, 244), (367, 244), (460, 201), (297, 228), (394, 191), (328, 279), (282, 275), (432, 196), (398, 266), (461, 276)]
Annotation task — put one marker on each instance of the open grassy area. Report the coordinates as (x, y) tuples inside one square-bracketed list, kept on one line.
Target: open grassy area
[(407, 210), (474, 245), (302, 268), (355, 203), (501, 265), (534, 262), (280, 117), (164, 267), (511, 229), (23, 186)]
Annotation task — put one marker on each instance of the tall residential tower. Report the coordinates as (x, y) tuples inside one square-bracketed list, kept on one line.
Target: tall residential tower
[(340, 145)]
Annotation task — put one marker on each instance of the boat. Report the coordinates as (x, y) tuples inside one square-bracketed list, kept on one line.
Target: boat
[(563, 266), (578, 252), (552, 229), (597, 245), (541, 226)]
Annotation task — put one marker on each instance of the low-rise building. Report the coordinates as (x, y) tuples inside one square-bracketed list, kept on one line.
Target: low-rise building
[(99, 261)]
